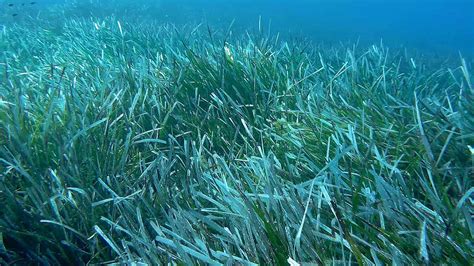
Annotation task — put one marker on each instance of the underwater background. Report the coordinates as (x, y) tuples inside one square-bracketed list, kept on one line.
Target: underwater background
[(236, 132), (439, 26)]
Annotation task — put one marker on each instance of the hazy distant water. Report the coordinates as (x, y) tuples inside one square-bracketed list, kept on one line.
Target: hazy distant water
[(441, 26), (438, 25)]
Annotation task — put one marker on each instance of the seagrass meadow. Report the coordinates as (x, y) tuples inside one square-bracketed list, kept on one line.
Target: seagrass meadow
[(151, 143)]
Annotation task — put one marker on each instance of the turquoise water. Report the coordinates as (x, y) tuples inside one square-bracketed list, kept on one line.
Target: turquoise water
[(445, 26), (439, 26)]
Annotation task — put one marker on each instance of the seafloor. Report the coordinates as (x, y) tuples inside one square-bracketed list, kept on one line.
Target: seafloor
[(152, 143)]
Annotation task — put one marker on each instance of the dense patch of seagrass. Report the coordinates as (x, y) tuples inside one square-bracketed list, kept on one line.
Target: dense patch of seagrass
[(149, 143)]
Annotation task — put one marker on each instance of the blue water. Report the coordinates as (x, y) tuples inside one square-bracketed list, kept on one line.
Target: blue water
[(439, 26), (435, 26)]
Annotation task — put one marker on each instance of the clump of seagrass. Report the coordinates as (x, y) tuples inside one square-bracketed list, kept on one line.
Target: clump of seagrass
[(128, 143)]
